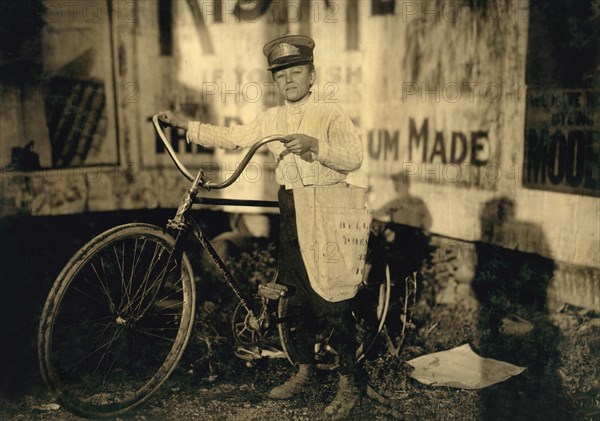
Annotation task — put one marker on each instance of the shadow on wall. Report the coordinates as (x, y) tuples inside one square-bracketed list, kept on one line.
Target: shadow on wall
[(510, 284), (404, 224)]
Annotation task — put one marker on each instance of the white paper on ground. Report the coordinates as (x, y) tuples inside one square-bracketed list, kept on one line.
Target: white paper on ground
[(462, 368)]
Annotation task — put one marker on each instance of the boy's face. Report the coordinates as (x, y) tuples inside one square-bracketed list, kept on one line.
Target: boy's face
[(294, 82)]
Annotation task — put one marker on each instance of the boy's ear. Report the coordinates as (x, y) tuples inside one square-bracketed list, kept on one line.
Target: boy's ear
[(312, 77)]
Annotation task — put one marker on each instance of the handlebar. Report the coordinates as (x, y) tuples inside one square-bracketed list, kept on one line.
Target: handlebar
[(209, 185)]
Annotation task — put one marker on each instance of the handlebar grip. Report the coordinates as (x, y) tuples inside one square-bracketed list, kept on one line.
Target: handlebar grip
[(182, 168)]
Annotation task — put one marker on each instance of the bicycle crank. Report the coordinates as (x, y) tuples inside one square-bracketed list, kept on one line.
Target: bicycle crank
[(249, 329)]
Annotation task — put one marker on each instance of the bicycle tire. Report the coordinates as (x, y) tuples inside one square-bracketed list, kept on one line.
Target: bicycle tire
[(109, 335)]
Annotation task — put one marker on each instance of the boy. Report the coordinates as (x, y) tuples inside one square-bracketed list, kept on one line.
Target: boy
[(322, 146)]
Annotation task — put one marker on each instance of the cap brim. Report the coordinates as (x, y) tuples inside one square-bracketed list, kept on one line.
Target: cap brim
[(280, 66)]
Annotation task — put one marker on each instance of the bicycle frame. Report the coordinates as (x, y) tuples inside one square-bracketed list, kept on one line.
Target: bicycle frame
[(183, 223)]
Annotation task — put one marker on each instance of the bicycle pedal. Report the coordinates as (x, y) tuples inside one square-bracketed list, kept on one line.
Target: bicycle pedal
[(273, 353), (272, 291), (248, 354)]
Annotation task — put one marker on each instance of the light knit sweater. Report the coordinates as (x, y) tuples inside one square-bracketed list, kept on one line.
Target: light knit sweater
[(340, 149)]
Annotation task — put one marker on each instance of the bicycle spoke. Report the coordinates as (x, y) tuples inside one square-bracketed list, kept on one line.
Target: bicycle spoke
[(175, 316), (155, 335), (156, 282), (133, 268), (153, 356), (112, 340), (144, 282), (112, 365), (88, 295), (86, 356), (160, 329), (121, 266), (86, 322), (177, 291), (178, 304), (104, 286)]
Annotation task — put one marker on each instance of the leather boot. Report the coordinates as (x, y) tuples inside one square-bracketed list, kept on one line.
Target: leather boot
[(303, 378), (349, 393)]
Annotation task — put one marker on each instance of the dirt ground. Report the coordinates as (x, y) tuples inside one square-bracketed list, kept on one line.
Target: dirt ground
[(562, 380), (561, 351)]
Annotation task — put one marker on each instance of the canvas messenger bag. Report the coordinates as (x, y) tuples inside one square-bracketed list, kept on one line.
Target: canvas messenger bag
[(333, 232)]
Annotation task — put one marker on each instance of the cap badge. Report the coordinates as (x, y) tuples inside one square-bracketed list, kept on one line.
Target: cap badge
[(283, 50)]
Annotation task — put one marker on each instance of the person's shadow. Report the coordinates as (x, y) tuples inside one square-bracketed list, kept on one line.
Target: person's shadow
[(406, 221), (403, 225), (510, 283)]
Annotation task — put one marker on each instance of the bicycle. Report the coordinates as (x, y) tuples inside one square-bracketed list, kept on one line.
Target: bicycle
[(119, 315)]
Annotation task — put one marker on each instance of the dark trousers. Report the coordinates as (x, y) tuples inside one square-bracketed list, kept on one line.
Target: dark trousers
[(307, 306)]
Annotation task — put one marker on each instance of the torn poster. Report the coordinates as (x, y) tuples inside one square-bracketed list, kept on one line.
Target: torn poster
[(462, 368)]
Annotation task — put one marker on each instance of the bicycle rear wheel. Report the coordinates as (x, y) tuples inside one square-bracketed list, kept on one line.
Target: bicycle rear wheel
[(116, 321)]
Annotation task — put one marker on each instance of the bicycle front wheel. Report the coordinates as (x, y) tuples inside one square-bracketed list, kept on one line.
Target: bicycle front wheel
[(116, 321)]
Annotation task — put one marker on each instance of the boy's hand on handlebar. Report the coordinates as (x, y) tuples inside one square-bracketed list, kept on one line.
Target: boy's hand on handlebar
[(299, 144), (171, 119)]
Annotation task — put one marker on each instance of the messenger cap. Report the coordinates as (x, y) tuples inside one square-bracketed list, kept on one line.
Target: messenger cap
[(288, 51)]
